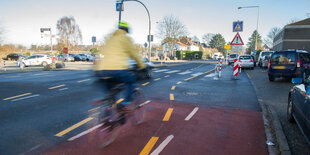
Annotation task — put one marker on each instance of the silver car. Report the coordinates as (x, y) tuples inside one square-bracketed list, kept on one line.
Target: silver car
[(246, 61)]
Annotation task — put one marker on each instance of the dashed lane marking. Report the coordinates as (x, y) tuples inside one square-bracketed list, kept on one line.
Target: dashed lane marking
[(168, 114), (56, 87), (83, 80), (60, 134), (144, 84), (174, 71), (17, 96), (186, 72), (179, 82), (157, 79), (167, 76), (162, 70), (197, 74), (191, 114), (173, 88), (162, 145), (171, 97), (85, 132), (22, 98), (148, 147), (63, 89)]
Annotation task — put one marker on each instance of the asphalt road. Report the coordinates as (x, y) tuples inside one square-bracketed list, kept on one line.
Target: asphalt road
[(275, 94), (39, 111)]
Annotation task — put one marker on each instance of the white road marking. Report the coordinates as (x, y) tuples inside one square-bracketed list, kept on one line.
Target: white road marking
[(146, 102), (162, 145), (174, 71), (197, 74), (83, 80), (36, 95), (162, 70), (40, 74), (167, 76), (63, 89), (157, 79), (13, 76), (85, 132), (210, 75), (191, 114), (186, 72)]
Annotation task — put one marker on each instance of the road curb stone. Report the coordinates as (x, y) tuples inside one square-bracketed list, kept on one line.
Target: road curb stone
[(273, 127)]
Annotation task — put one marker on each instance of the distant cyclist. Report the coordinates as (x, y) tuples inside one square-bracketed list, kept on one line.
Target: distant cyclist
[(117, 51)]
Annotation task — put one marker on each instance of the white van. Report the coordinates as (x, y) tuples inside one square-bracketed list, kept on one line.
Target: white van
[(216, 56)]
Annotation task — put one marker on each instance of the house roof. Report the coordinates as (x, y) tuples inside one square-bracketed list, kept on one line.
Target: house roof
[(302, 22), (182, 44)]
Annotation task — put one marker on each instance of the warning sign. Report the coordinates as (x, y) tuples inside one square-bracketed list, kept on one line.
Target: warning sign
[(238, 26), (237, 40)]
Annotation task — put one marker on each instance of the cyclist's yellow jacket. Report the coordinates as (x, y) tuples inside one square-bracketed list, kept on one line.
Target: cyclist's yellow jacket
[(117, 50)]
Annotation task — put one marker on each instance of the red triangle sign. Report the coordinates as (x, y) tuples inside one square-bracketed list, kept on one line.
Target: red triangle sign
[(237, 40)]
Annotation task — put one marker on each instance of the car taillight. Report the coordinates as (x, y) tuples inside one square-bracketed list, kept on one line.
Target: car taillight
[(252, 60), (298, 64), (269, 63)]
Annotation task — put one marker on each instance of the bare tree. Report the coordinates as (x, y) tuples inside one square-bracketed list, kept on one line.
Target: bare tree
[(170, 31), (69, 33), (272, 33), (206, 38), (195, 39)]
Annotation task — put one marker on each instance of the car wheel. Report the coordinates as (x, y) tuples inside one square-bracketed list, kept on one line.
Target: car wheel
[(252, 68), (271, 78), (22, 65), (44, 64), (290, 117)]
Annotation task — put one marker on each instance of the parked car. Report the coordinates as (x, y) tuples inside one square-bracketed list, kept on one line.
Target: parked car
[(265, 61), (291, 63), (261, 55), (246, 61), (14, 56), (232, 57), (65, 57), (89, 57), (35, 60), (142, 74), (254, 59), (79, 57), (298, 106)]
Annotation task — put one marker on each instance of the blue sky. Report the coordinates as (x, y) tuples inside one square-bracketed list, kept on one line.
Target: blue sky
[(22, 19)]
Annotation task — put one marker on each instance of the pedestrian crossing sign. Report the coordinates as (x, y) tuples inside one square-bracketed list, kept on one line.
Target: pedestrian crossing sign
[(238, 26)]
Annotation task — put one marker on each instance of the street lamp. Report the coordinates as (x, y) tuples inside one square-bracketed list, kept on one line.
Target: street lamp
[(256, 36), (148, 13)]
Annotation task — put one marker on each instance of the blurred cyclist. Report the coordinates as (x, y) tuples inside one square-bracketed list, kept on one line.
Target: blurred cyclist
[(117, 50)]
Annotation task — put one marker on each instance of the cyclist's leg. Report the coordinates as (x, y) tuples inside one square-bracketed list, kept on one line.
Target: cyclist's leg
[(128, 78)]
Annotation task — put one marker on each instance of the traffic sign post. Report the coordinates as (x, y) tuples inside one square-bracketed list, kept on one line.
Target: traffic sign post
[(93, 39), (238, 26)]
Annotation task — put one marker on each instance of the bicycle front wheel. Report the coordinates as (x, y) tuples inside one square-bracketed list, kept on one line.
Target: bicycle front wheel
[(139, 112)]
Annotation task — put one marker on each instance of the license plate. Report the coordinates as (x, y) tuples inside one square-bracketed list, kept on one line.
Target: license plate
[(279, 67)]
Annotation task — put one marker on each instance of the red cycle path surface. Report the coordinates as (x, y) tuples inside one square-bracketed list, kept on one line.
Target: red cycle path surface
[(211, 131)]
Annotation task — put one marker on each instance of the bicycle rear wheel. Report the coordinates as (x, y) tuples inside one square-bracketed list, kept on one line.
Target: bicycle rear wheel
[(139, 109), (108, 133)]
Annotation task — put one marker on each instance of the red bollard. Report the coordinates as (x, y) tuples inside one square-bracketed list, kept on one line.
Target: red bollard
[(236, 68)]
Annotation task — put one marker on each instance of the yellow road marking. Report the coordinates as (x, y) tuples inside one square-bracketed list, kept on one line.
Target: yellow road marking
[(168, 114), (56, 86), (74, 127), (83, 80), (171, 97), (179, 82), (173, 88), (145, 83), (17, 96), (157, 79), (210, 71), (119, 101), (148, 147), (190, 78)]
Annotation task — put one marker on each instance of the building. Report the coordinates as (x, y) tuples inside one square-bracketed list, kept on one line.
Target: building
[(293, 36)]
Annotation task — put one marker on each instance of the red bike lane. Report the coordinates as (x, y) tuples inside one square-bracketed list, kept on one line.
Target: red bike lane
[(211, 130)]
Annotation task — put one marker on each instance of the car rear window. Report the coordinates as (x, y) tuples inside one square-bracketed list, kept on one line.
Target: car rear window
[(266, 53), (233, 55), (245, 57), (283, 58)]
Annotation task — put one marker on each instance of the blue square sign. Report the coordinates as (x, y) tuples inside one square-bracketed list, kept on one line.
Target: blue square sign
[(238, 26)]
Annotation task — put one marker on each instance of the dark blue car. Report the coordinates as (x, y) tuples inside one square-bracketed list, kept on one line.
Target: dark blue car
[(290, 63), (298, 108)]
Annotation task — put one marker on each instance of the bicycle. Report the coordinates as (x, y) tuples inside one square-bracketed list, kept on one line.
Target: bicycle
[(111, 117)]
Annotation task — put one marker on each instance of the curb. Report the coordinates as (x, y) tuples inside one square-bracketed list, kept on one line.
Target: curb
[(273, 127)]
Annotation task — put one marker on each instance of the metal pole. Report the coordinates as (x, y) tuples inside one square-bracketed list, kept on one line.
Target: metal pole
[(120, 12), (257, 29), (51, 41)]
